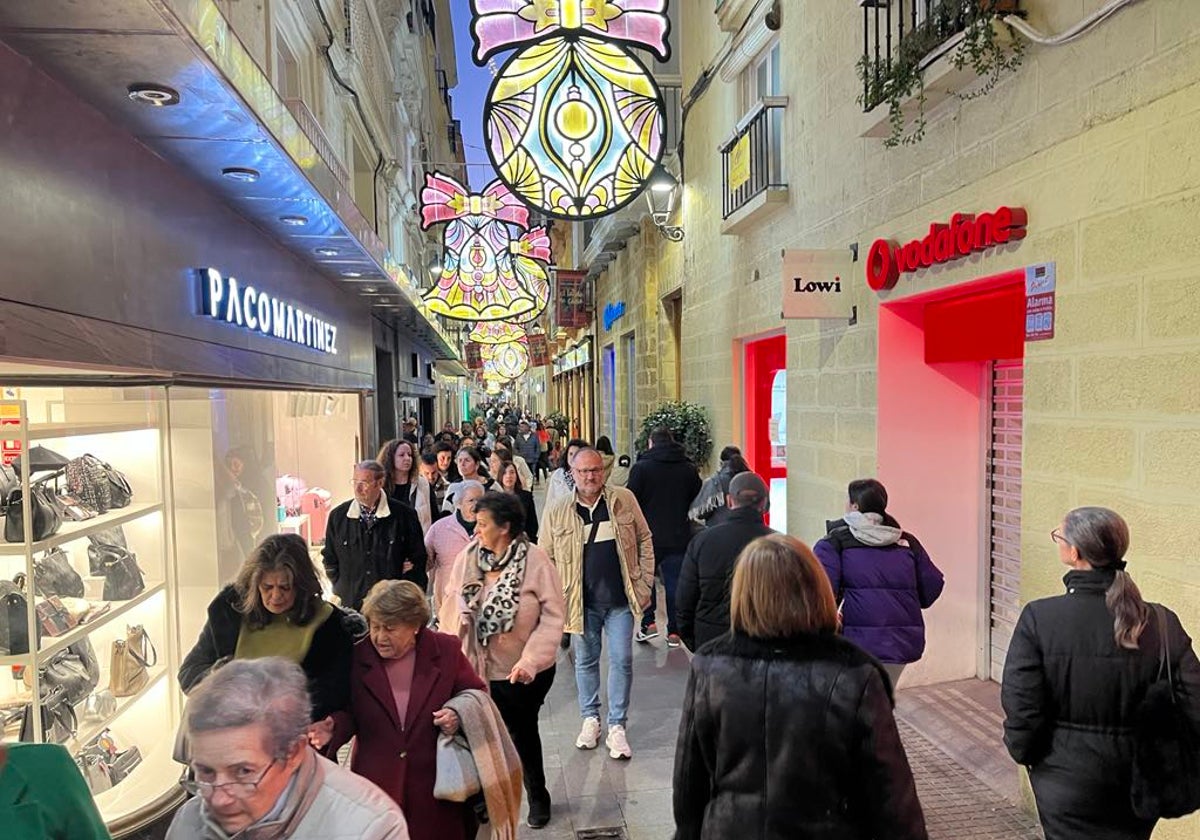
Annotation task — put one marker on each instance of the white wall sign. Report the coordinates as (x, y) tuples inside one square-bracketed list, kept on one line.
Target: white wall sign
[(815, 283), (225, 299)]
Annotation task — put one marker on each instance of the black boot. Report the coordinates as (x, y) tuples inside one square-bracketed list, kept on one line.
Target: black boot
[(539, 809)]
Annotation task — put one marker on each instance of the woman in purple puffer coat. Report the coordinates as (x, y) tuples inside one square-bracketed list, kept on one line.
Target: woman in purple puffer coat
[(881, 577)]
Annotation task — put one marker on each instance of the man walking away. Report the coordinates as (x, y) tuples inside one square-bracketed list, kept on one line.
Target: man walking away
[(702, 598), (665, 481), (528, 446), (599, 540), (371, 538)]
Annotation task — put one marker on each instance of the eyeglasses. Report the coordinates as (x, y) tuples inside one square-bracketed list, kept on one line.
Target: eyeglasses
[(356, 483), (1058, 537), (589, 471), (238, 790)]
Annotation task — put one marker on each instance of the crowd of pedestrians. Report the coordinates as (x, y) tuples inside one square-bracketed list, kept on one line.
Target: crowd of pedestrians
[(452, 599)]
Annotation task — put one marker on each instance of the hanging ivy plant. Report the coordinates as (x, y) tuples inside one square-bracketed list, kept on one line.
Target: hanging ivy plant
[(688, 423), (902, 80)]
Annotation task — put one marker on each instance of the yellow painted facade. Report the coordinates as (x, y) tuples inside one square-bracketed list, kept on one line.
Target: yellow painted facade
[(1098, 140)]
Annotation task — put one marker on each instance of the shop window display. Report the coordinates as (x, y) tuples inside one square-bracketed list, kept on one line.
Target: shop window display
[(126, 509)]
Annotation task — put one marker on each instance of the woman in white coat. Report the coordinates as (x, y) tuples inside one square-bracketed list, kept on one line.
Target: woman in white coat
[(404, 481)]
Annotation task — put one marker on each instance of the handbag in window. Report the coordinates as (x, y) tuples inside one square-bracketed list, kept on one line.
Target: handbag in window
[(58, 719), (95, 771), (14, 619), (125, 763), (53, 617), (44, 519), (123, 578), (132, 658), (54, 575), (99, 705), (75, 670)]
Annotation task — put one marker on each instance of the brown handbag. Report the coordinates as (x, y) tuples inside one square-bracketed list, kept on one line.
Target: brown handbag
[(132, 658)]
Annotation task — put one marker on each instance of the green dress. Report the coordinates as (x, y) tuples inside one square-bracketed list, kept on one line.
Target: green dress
[(44, 797)]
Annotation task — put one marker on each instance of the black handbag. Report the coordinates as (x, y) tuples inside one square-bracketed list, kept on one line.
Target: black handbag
[(14, 620), (76, 671), (43, 513), (58, 719), (111, 537), (1166, 747), (54, 575), (123, 578), (97, 484)]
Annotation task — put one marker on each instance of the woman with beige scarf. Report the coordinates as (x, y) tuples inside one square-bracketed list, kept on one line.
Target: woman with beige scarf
[(504, 600)]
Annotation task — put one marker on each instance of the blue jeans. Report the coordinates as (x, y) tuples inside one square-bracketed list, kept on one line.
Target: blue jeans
[(668, 566), (617, 624)]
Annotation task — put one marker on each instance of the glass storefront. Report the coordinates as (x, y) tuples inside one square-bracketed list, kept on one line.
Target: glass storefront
[(143, 502)]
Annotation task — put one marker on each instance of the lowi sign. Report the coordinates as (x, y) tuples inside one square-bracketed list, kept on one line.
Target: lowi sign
[(963, 236)]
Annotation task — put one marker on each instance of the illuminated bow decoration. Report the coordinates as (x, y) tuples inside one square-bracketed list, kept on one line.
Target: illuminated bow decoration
[(443, 199), (534, 244), (500, 24)]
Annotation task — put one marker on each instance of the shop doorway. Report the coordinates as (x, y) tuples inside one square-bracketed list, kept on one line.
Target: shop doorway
[(385, 390), (765, 389), (608, 375), (628, 352), (1004, 506), (949, 438)]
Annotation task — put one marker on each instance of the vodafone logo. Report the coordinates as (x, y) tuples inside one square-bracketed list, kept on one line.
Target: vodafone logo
[(944, 243)]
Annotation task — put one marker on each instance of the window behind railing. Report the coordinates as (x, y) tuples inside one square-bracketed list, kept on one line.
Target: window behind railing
[(890, 26), (752, 161)]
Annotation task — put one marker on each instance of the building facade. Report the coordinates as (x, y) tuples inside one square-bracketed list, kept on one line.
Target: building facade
[(983, 438)]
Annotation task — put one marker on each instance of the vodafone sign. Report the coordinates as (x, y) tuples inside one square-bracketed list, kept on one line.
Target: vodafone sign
[(944, 243)]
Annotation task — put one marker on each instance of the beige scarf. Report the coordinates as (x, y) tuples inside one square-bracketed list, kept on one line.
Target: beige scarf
[(495, 757)]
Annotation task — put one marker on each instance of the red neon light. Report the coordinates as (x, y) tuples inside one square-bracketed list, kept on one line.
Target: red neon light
[(964, 235)]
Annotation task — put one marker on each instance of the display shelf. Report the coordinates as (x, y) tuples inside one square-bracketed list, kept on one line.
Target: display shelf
[(50, 431), (76, 530), (89, 730), (53, 644)]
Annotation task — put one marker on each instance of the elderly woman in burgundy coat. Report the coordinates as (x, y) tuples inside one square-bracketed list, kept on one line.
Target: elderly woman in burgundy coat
[(400, 680)]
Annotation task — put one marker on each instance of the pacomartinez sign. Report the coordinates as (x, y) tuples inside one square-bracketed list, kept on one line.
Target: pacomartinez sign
[(225, 299)]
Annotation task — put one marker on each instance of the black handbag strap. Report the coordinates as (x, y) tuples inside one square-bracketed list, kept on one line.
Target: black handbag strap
[(1164, 646), (143, 659)]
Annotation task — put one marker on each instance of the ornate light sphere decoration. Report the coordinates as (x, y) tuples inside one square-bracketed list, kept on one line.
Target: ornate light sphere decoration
[(509, 360), (574, 122), (478, 281), (496, 332)]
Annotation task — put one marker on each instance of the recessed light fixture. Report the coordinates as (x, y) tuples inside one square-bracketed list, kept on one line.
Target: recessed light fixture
[(294, 221), (159, 96), (368, 288), (240, 173), (326, 252), (352, 274)]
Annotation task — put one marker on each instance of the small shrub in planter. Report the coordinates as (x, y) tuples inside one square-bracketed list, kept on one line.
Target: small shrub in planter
[(688, 422)]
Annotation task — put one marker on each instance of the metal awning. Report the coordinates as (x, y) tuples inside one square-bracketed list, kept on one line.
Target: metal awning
[(229, 118)]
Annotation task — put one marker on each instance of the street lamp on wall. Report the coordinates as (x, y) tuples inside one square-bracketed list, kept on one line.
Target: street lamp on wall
[(662, 194)]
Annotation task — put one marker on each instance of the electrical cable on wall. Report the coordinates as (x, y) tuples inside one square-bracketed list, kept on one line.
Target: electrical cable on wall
[(1084, 26)]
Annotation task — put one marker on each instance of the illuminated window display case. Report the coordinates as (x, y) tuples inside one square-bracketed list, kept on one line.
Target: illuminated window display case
[(202, 466)]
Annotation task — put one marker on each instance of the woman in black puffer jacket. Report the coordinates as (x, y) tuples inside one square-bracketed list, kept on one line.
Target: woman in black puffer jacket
[(787, 729), (1077, 669)]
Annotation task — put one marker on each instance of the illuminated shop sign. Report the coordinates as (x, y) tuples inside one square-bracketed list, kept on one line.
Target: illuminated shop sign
[(613, 312), (225, 299), (964, 236)]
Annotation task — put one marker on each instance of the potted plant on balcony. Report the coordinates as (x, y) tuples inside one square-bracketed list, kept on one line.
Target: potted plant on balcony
[(987, 46)]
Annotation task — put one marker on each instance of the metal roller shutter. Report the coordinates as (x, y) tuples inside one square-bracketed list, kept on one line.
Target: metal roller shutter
[(1004, 480)]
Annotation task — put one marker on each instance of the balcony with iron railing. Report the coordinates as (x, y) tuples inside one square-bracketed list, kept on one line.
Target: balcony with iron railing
[(923, 33), (752, 175), (371, 59)]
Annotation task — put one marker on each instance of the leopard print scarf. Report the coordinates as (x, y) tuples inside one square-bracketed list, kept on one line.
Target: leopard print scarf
[(495, 612)]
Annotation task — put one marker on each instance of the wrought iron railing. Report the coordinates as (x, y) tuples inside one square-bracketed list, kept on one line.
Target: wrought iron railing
[(890, 26), (752, 160), (316, 135)]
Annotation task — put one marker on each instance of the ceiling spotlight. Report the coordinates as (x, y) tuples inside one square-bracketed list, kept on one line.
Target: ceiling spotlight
[(352, 274), (240, 173), (294, 221), (326, 252), (159, 96)]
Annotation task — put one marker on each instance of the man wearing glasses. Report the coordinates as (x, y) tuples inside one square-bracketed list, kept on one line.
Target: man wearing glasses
[(254, 772), (371, 538), (599, 540)]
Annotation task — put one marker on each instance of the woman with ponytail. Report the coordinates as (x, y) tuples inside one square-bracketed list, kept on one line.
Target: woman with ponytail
[(1077, 669)]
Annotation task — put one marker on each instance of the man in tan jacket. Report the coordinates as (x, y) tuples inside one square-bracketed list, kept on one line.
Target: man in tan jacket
[(599, 540)]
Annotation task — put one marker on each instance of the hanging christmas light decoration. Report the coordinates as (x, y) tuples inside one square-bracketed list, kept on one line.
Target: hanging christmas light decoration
[(478, 281), (508, 360), (496, 332), (574, 122)]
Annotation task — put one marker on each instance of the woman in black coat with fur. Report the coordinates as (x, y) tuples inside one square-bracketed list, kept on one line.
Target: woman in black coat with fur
[(787, 730), (1077, 669)]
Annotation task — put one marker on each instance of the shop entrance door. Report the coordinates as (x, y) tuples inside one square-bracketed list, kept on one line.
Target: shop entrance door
[(1004, 505), (608, 375), (766, 419)]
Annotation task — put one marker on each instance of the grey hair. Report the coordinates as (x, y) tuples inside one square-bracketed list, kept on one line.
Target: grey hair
[(373, 467), (271, 692), (1101, 537), (464, 486)]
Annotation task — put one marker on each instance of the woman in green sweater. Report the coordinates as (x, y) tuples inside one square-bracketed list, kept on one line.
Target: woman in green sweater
[(43, 797)]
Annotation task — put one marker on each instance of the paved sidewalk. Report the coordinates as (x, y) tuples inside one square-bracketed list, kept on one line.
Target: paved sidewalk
[(592, 791)]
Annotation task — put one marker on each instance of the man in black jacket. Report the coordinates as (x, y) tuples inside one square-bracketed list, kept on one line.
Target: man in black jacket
[(702, 598), (371, 538), (665, 481)]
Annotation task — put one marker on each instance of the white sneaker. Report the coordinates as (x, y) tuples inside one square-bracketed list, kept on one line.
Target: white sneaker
[(589, 736), (618, 746)]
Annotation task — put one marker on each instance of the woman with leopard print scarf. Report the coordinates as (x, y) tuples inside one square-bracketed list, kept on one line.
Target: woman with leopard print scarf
[(504, 600)]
